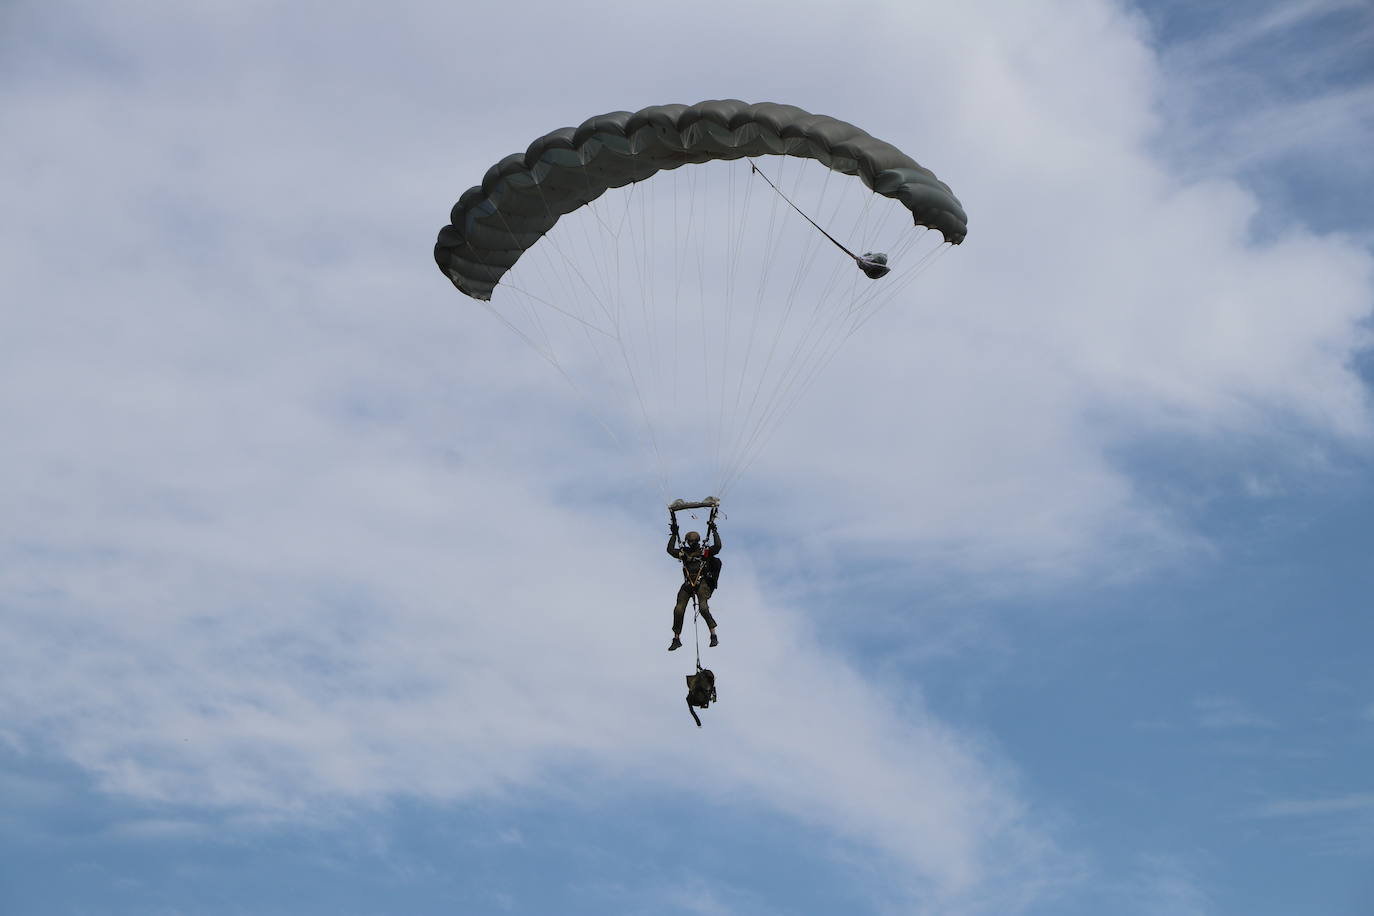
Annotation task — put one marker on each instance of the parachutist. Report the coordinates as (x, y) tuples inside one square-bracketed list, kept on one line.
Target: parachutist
[(700, 574)]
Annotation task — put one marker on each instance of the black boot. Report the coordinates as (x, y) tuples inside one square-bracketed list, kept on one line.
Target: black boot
[(714, 641), (675, 644)]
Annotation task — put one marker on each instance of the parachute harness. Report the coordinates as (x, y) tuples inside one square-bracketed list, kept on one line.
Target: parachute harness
[(693, 582)]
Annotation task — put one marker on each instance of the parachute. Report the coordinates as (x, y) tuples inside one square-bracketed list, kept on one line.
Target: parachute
[(690, 308)]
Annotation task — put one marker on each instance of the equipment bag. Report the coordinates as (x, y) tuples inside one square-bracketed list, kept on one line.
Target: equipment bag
[(712, 572), (701, 691)]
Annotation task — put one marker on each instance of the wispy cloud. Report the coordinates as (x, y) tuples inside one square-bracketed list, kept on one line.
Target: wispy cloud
[(1281, 86), (1228, 713), (160, 829), (1263, 24), (1167, 886), (1358, 803), (292, 525), (1338, 120)]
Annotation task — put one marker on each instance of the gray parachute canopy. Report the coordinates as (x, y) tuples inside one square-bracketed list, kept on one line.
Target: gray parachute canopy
[(522, 196)]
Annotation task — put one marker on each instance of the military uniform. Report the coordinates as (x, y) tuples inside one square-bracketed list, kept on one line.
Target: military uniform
[(694, 568)]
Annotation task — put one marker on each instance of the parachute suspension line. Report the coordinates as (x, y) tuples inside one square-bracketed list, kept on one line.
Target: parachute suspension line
[(599, 260), (620, 230), (735, 228), (543, 264), (872, 302), (648, 219), (704, 396), (809, 369), (630, 370), (611, 301), (802, 374), (925, 264), (616, 276), (551, 356), (773, 247), (598, 256), (534, 318), (796, 363), (803, 385), (569, 265), (729, 417), (561, 311), (728, 297), (537, 321), (539, 261), (886, 292), (900, 247), (677, 283), (825, 294), (572, 287), (645, 264), (784, 395), (553, 361), (757, 171), (806, 262), (861, 221), (772, 244), (797, 386), (769, 253), (682, 259)]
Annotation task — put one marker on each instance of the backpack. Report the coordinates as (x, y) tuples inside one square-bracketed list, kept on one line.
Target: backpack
[(712, 572), (701, 691)]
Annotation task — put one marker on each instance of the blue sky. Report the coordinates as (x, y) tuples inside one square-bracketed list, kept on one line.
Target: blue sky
[(296, 613)]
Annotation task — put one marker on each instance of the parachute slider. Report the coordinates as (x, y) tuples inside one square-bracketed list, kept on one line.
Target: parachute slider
[(681, 505), (709, 502)]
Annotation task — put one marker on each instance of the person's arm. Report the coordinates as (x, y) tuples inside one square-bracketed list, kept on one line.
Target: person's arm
[(715, 539), (672, 543)]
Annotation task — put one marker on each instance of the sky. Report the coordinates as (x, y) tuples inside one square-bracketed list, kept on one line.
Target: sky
[(321, 592)]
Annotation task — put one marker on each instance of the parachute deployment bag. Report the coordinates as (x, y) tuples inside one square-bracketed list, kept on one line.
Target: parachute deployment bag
[(701, 691)]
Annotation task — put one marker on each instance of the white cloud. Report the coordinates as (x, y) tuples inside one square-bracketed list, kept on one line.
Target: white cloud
[(289, 520)]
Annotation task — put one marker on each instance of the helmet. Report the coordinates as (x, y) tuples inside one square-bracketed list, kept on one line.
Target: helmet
[(693, 538)]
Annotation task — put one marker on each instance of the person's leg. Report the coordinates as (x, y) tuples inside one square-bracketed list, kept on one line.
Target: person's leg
[(704, 606), (684, 594), (679, 612)]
